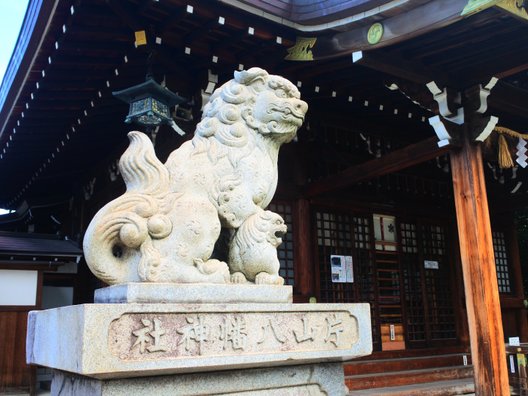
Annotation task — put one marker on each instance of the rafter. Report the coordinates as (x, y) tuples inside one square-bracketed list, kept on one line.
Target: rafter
[(121, 11)]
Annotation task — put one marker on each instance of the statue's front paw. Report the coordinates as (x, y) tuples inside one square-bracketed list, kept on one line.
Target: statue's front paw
[(238, 277), (263, 278), (210, 266), (214, 270)]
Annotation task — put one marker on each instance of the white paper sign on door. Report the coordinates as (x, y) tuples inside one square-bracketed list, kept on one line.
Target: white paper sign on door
[(342, 269)]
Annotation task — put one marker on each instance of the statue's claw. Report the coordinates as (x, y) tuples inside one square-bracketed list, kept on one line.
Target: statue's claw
[(238, 277), (263, 278)]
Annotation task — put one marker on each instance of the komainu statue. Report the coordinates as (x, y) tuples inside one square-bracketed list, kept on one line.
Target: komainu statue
[(165, 226)]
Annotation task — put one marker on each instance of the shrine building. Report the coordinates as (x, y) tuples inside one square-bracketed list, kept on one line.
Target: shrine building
[(405, 188)]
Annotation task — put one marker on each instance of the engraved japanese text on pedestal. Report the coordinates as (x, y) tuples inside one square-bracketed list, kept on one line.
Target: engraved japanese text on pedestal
[(138, 336)]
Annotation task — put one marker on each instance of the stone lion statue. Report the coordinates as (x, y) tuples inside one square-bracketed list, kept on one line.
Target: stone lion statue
[(253, 251), (165, 226)]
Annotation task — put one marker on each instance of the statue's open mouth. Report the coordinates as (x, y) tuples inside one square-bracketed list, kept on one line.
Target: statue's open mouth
[(294, 114), (279, 234)]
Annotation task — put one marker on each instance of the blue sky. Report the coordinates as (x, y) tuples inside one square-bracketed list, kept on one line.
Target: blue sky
[(11, 16)]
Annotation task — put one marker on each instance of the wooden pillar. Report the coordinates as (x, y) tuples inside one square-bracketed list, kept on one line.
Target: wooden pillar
[(478, 266), (304, 271), (458, 292), (462, 120)]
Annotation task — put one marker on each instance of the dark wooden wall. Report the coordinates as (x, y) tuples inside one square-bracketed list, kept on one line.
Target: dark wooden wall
[(14, 372)]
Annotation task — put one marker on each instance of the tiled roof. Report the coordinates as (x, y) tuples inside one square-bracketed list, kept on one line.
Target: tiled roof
[(37, 244)]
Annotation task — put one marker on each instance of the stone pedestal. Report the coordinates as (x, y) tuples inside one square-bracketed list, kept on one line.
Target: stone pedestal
[(303, 380), (173, 346)]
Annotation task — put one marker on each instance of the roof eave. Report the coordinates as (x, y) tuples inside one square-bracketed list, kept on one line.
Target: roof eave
[(32, 34)]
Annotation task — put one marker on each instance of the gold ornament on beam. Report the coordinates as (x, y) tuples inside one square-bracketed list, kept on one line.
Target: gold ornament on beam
[(302, 50), (140, 38), (515, 7), (375, 33), (474, 6)]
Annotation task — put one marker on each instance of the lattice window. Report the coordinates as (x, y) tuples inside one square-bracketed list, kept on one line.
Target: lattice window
[(441, 317), (364, 267), (334, 236), (501, 262), (361, 233), (285, 250), (440, 314), (412, 286), (409, 243), (414, 303), (333, 230), (434, 242), (427, 291)]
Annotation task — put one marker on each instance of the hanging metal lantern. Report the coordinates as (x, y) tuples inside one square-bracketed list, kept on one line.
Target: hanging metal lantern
[(149, 103)]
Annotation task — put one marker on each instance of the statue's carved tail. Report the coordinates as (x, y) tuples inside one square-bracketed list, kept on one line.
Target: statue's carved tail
[(142, 171), (118, 244)]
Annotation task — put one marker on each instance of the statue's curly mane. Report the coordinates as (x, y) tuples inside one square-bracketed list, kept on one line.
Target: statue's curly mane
[(223, 131), (228, 127)]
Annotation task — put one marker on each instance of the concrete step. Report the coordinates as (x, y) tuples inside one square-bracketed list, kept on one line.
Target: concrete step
[(399, 364), (407, 377), (464, 386)]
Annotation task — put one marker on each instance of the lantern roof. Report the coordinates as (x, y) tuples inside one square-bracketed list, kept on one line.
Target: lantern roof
[(149, 88)]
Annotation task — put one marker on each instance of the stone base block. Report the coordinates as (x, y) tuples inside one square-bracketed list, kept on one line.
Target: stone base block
[(193, 293), (130, 340), (303, 380)]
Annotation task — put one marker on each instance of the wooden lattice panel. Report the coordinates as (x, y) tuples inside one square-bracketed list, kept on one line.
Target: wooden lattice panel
[(334, 237), (389, 292), (433, 240), (440, 316), (348, 235), (501, 262), (409, 242), (412, 279), (427, 290), (362, 233), (364, 267)]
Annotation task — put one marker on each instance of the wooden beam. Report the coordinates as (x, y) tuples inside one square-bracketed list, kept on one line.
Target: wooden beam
[(511, 61), (312, 12), (32, 265), (393, 162), (395, 66), (509, 99), (403, 26), (512, 71), (478, 267)]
